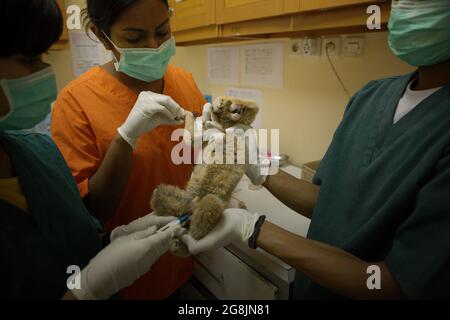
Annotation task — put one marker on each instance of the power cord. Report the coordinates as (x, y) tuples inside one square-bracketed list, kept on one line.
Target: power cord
[(329, 46)]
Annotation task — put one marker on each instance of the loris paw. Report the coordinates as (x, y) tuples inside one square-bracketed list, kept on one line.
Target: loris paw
[(170, 201), (230, 111), (205, 216), (179, 249)]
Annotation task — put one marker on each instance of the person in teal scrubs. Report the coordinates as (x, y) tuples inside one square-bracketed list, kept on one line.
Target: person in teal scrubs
[(45, 229), (380, 202)]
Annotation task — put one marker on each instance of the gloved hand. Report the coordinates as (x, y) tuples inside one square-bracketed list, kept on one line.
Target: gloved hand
[(150, 111), (256, 170), (121, 263), (258, 173), (207, 113), (211, 131), (236, 224), (150, 220)]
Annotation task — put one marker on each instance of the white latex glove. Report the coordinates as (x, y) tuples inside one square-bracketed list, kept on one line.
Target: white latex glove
[(236, 224), (150, 220), (256, 169), (121, 263), (212, 131), (207, 113), (150, 111)]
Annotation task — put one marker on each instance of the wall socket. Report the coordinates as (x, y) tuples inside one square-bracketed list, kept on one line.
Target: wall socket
[(334, 46), (311, 47), (296, 47)]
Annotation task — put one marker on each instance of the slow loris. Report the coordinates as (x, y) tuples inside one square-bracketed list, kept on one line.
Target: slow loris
[(211, 186)]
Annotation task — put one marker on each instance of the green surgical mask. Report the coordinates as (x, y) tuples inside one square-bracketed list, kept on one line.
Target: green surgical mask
[(145, 64), (29, 99), (419, 31)]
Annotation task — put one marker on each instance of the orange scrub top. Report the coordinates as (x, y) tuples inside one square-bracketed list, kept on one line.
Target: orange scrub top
[(84, 122)]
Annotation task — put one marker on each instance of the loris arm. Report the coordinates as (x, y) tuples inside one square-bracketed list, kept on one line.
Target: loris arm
[(299, 195)]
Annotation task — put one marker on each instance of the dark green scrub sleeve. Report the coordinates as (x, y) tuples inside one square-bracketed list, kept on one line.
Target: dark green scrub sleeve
[(420, 256)]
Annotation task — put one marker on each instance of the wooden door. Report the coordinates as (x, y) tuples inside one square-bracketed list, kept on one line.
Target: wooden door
[(242, 10), (191, 14), (308, 5)]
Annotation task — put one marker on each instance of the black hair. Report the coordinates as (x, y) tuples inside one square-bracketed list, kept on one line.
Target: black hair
[(103, 13), (29, 27)]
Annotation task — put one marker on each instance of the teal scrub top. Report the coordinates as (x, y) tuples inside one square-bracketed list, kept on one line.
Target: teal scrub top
[(37, 248), (385, 190)]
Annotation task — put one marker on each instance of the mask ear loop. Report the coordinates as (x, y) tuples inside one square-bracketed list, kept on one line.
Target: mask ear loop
[(117, 62)]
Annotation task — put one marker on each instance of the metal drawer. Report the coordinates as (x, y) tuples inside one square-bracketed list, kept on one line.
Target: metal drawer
[(229, 278)]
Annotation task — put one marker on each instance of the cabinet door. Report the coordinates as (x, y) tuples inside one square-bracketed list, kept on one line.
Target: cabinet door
[(307, 5), (291, 6), (241, 10), (229, 278), (190, 14)]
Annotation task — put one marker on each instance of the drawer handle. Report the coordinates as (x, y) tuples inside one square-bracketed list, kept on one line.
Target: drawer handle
[(219, 280)]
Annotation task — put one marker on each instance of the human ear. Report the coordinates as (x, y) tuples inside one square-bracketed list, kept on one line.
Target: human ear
[(101, 36)]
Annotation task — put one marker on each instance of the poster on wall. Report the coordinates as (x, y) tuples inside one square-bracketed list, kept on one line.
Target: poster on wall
[(86, 52), (249, 94), (263, 65), (223, 65)]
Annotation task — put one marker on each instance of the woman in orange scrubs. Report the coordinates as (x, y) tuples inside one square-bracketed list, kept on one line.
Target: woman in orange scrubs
[(116, 174)]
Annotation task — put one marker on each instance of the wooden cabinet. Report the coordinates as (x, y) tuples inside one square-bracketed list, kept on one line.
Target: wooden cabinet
[(308, 5), (63, 41), (212, 21), (242, 10), (191, 14), (291, 6), (351, 19)]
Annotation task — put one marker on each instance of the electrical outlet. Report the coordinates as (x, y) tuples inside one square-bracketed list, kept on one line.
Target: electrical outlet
[(311, 47), (296, 47), (353, 47), (332, 45)]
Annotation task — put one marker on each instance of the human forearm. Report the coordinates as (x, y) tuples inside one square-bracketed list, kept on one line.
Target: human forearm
[(328, 266), (108, 184), (299, 195)]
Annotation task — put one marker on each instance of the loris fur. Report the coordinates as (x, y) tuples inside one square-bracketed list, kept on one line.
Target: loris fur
[(211, 186)]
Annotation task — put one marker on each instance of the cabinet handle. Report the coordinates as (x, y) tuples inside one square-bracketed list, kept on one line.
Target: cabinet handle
[(218, 279)]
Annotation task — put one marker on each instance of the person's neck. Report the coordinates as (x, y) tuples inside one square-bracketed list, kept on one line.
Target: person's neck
[(434, 76), (6, 168), (135, 85)]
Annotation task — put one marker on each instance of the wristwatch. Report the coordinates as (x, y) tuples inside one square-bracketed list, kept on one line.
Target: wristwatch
[(252, 242)]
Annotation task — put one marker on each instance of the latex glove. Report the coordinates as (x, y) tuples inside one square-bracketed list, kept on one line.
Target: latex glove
[(150, 111), (256, 169), (121, 263), (150, 220), (258, 173), (207, 113), (236, 224), (212, 131)]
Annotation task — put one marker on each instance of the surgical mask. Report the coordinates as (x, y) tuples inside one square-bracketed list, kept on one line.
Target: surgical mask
[(29, 99), (419, 31), (145, 64)]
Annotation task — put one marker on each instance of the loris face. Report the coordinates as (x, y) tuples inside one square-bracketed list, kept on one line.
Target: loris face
[(229, 111)]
